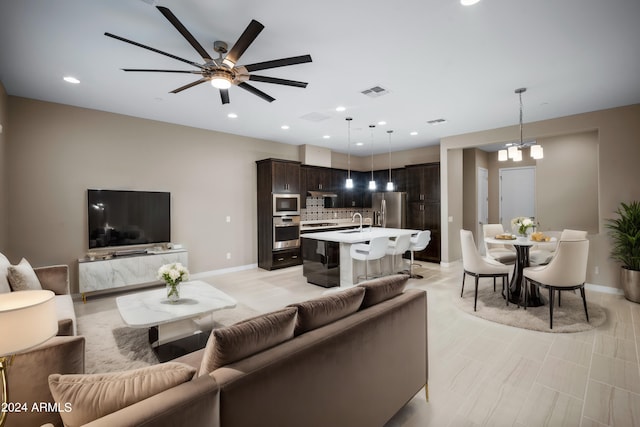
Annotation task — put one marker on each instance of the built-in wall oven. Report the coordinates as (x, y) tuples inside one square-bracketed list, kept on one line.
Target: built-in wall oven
[(286, 204), (286, 232)]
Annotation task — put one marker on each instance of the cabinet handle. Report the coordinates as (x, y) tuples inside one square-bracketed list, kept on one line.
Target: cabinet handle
[(295, 256), (280, 259)]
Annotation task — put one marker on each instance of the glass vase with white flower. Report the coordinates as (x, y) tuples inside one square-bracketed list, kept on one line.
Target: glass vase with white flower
[(173, 274), (521, 225)]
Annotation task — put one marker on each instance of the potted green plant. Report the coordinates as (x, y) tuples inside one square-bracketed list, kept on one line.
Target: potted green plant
[(625, 232)]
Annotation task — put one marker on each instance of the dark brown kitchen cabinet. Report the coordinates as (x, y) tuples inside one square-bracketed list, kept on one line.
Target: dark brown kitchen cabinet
[(274, 176), (423, 200), (285, 176), (317, 178)]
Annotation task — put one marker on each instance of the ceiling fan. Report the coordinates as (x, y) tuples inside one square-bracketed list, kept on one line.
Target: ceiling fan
[(223, 72)]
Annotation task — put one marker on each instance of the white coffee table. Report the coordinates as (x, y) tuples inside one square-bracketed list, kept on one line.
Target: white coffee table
[(168, 321)]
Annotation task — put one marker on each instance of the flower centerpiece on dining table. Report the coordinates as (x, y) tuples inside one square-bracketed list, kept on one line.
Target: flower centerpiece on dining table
[(173, 274), (522, 224)]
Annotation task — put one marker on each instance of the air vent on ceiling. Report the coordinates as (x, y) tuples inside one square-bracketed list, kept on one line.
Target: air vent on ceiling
[(437, 121), (375, 91), (315, 117)]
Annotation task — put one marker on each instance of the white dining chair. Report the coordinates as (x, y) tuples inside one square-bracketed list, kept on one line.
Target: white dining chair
[(397, 246), (375, 249), (566, 271), (477, 266), (505, 254), (542, 254), (418, 243)]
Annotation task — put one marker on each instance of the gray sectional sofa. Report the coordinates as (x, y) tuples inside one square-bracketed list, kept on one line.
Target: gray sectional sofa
[(353, 358)]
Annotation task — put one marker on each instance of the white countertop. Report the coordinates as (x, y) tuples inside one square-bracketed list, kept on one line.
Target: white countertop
[(356, 236), (319, 225)]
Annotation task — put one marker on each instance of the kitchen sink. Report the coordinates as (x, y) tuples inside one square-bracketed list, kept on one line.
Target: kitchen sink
[(351, 231)]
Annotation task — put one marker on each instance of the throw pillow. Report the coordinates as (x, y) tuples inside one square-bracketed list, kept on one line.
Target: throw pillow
[(321, 311), (383, 288), (23, 278), (231, 343), (92, 396), (4, 275)]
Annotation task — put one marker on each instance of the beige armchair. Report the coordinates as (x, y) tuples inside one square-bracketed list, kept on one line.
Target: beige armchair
[(28, 378), (476, 266), (567, 270), (504, 254)]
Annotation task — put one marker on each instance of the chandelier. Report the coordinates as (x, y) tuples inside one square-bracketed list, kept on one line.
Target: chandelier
[(514, 149)]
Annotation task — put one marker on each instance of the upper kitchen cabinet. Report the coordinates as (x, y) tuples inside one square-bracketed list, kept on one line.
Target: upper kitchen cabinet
[(423, 182), (316, 178), (285, 176)]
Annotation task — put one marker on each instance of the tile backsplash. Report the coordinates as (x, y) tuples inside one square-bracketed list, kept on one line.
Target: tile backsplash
[(315, 210)]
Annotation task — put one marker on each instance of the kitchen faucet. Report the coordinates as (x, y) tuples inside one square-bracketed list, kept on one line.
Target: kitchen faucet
[(353, 219)]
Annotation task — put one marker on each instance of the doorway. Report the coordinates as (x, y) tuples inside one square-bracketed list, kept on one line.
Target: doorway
[(517, 194), (483, 206)]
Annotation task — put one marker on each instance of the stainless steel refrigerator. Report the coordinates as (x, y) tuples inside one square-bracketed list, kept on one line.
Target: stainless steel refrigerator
[(390, 209)]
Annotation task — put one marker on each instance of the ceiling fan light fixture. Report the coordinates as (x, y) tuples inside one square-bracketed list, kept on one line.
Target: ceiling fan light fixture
[(518, 156), (228, 63), (221, 79), (503, 155), (512, 151)]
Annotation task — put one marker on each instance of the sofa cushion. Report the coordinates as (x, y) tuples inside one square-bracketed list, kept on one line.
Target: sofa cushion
[(383, 288), (243, 339), (4, 275), (321, 311), (22, 277), (93, 396)]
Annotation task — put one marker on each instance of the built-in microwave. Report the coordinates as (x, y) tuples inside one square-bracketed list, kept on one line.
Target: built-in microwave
[(286, 204)]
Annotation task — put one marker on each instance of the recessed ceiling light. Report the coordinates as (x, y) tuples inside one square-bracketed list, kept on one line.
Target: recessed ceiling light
[(326, 136), (468, 2), (382, 123), (232, 115), (359, 144), (70, 79), (340, 108), (414, 133), (285, 127)]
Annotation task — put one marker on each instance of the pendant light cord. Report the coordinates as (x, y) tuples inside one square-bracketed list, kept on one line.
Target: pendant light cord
[(348, 119), (371, 127), (389, 132)]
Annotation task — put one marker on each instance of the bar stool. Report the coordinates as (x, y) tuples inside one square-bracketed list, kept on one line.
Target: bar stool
[(397, 247), (375, 249), (418, 243)]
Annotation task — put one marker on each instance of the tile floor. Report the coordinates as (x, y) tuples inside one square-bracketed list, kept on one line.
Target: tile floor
[(487, 374)]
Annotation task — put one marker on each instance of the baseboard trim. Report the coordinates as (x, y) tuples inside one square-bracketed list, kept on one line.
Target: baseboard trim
[(204, 274), (603, 289)]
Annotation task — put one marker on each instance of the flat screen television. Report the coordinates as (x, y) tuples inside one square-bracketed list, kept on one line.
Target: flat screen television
[(122, 218)]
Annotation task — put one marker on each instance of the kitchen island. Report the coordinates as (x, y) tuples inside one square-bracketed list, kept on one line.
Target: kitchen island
[(326, 256)]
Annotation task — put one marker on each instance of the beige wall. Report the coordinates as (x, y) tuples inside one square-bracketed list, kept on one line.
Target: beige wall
[(4, 214), (618, 173), (381, 161), (56, 152)]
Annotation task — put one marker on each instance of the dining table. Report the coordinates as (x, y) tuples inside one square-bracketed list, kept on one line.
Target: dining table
[(522, 246)]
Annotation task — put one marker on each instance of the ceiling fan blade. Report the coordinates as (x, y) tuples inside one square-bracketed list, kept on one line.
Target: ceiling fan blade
[(278, 63), (190, 85), (277, 81), (224, 95), (185, 33), (246, 38), (163, 71), (113, 36), (256, 92)]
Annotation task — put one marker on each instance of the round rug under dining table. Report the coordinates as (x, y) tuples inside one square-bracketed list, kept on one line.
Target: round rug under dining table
[(569, 317)]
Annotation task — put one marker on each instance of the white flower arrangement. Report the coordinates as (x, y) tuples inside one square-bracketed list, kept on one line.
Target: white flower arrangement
[(173, 274), (523, 223)]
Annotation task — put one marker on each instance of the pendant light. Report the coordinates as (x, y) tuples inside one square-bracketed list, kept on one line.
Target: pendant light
[(349, 182), (372, 183), (514, 151), (389, 183)]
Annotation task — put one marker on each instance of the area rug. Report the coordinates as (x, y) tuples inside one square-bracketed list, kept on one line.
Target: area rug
[(112, 346), (567, 318)]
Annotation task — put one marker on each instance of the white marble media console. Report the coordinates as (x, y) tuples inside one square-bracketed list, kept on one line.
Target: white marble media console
[(126, 270)]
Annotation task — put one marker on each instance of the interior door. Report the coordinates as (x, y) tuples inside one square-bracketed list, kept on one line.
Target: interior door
[(517, 194), (483, 205)]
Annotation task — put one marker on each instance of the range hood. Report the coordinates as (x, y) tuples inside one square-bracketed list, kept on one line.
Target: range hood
[(322, 194)]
